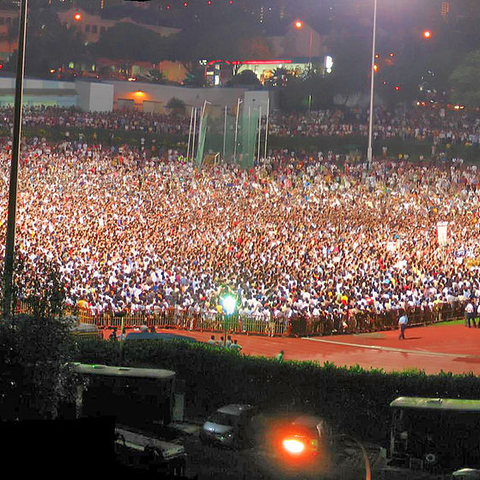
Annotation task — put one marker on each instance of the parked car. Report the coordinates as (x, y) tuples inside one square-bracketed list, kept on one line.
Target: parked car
[(304, 438), (230, 426)]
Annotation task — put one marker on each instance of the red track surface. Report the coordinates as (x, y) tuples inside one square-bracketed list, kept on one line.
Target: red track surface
[(451, 348)]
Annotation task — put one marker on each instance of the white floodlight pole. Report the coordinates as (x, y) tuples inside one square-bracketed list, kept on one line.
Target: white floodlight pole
[(266, 126), (225, 134), (190, 134), (202, 115), (259, 133), (236, 131), (248, 136), (194, 132), (372, 87)]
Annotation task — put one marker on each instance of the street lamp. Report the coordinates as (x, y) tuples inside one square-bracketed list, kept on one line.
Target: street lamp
[(229, 305), (299, 25), (372, 87)]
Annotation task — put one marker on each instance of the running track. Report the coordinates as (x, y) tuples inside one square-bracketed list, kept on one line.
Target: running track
[(451, 348)]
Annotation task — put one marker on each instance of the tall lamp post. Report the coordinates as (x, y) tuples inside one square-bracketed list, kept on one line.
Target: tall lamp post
[(372, 88), (16, 142), (229, 305)]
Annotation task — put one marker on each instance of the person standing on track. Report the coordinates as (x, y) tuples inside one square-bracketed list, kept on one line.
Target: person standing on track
[(470, 315), (402, 325)]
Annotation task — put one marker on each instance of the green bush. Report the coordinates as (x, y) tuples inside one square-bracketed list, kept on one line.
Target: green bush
[(355, 400)]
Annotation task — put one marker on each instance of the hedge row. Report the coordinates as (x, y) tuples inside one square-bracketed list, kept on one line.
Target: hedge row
[(354, 400)]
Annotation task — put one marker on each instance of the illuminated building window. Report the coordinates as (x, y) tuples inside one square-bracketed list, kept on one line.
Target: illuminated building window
[(445, 9)]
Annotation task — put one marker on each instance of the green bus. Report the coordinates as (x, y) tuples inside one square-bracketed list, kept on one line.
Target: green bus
[(136, 397), (435, 433)]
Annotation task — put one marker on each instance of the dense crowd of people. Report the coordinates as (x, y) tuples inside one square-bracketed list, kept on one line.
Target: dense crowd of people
[(437, 126), (288, 237), (117, 120)]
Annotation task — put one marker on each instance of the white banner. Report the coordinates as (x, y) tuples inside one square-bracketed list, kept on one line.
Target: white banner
[(442, 233), (392, 246)]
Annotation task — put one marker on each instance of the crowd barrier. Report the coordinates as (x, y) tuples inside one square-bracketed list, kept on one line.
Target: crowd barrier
[(354, 321)]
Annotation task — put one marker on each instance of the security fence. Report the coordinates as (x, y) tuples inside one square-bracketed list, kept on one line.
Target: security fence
[(351, 321)]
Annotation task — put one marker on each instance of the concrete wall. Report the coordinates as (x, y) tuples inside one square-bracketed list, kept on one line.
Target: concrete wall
[(104, 97), (35, 84), (94, 97), (192, 97), (39, 92), (257, 100)]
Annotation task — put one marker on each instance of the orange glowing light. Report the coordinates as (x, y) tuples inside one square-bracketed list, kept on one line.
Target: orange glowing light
[(427, 34), (293, 446), (298, 24), (77, 17), (139, 94)]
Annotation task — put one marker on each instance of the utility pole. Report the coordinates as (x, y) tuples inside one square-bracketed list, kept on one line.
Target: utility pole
[(16, 143), (372, 88)]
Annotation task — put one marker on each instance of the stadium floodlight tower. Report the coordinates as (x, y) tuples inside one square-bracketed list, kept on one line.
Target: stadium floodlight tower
[(372, 88)]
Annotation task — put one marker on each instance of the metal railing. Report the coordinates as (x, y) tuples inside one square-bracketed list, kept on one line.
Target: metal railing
[(352, 321)]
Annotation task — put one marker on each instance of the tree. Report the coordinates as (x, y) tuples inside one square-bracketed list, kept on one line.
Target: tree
[(50, 44), (35, 348), (231, 39), (10, 36), (176, 106), (311, 92), (465, 81), (280, 78), (351, 65), (246, 77), (128, 42), (154, 76), (254, 47)]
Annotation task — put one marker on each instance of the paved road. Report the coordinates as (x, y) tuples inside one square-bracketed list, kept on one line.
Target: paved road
[(256, 464)]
